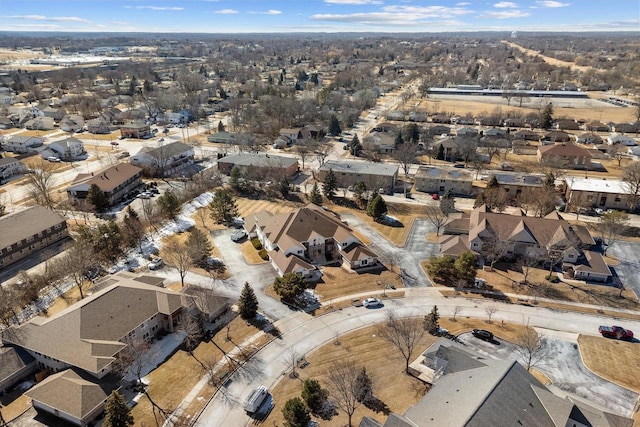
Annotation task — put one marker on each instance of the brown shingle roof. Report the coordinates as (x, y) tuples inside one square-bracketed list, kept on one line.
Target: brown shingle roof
[(20, 225), (87, 334), (356, 251), (564, 150), (109, 178)]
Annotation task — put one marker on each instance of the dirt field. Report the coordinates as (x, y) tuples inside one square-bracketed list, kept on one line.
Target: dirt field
[(612, 360)]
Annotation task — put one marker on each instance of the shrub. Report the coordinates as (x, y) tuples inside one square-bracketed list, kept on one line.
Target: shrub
[(263, 254), (552, 278), (256, 243)]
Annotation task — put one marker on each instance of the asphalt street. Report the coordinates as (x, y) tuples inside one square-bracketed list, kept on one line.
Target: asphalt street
[(271, 362), (629, 269)]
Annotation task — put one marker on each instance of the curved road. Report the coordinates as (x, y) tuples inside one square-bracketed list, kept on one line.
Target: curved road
[(309, 333)]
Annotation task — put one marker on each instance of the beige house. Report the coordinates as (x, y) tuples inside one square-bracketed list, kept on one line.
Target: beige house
[(374, 175), (27, 233), (432, 179), (301, 240), (135, 129), (115, 182), (600, 193), (565, 155), (259, 164)]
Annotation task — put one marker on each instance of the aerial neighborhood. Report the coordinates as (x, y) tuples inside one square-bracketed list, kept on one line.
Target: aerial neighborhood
[(374, 230)]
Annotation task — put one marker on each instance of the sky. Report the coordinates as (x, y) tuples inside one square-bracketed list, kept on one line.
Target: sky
[(277, 16)]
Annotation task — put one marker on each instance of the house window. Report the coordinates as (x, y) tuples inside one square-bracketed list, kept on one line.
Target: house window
[(8, 249), (617, 199), (364, 262), (32, 247)]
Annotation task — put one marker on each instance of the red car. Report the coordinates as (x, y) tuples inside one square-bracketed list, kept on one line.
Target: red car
[(616, 332), (435, 196)]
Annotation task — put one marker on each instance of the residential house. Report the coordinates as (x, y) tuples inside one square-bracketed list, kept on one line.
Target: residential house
[(22, 144), (438, 130), (494, 133), (223, 138), (555, 136), (115, 182), (525, 236), (55, 113), (40, 123), (513, 184), (80, 344), (441, 118), (601, 193), (259, 164), (136, 129), (378, 176), (470, 389), (27, 233), (565, 155), (566, 124), (382, 142), (626, 127), (456, 147), (467, 132), (72, 123), (15, 365), (513, 122), (589, 138), (164, 160), (67, 149), (385, 127), (308, 237), (416, 116), (438, 180), (395, 116), (100, 125), (527, 135), (305, 132), (10, 166), (625, 140), (596, 126)]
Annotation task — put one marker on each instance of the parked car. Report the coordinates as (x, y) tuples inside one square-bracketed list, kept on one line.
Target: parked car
[(156, 264), (483, 334), (238, 235), (435, 196), (616, 332), (372, 302), (114, 143), (255, 399), (53, 159)]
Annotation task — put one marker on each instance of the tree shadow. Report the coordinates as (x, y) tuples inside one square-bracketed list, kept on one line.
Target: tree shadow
[(377, 405)]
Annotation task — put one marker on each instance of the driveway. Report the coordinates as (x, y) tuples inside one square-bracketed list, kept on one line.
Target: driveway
[(408, 257), (563, 365), (629, 269)]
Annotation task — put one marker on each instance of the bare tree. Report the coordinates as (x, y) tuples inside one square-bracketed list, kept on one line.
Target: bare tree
[(193, 334), (40, 183), (405, 154), (304, 149), (292, 358), (177, 254), (631, 178), (530, 348), (323, 151), (77, 262), (405, 334), (612, 227), (494, 249), (527, 262), (436, 216), (490, 310), (344, 388), (457, 309)]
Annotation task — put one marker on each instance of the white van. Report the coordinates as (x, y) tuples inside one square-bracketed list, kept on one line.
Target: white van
[(255, 399)]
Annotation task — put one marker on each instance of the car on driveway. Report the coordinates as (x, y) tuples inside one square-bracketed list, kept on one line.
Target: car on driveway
[(238, 235), (372, 302), (483, 334), (156, 264)]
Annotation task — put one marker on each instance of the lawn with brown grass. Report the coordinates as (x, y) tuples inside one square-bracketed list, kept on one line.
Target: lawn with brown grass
[(15, 408), (365, 348), (612, 360), (405, 213), (250, 253)]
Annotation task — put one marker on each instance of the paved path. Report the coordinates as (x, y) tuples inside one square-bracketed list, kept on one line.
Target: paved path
[(268, 366)]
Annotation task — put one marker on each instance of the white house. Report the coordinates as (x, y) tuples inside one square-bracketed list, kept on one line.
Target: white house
[(68, 148), (164, 160), (10, 166)]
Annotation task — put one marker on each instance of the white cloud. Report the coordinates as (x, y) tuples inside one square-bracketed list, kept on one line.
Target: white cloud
[(463, 3), (505, 14), (353, 2), (49, 18), (396, 15), (225, 11), (160, 7), (551, 3), (270, 12), (505, 4)]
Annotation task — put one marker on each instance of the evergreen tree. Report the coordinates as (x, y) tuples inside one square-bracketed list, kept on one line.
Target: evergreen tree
[(220, 126), (330, 184), (465, 266), (169, 205), (432, 321), (378, 208), (289, 287), (97, 198), (314, 395), (315, 197), (546, 117), (334, 126), (223, 208), (359, 190), (198, 245), (133, 230), (447, 202), (355, 147), (399, 139), (234, 178), (364, 386), (295, 413), (147, 86), (440, 154), (248, 303), (118, 413)]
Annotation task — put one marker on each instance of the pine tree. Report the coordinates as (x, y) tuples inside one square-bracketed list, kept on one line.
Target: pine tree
[(220, 126), (377, 208), (440, 154), (364, 386), (223, 208), (248, 303), (315, 197), (234, 178), (198, 245), (314, 395), (295, 413), (432, 321), (118, 413), (546, 117), (330, 184), (97, 198), (399, 139), (334, 126), (447, 202), (465, 266)]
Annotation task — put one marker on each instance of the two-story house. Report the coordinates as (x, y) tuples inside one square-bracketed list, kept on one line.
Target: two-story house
[(135, 129), (301, 240), (27, 233), (601, 193), (22, 144), (164, 160), (10, 166), (377, 176), (115, 182), (260, 164), (438, 180), (67, 149), (565, 155)]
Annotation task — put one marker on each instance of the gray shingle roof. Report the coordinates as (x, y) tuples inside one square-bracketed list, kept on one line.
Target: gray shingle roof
[(364, 168)]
